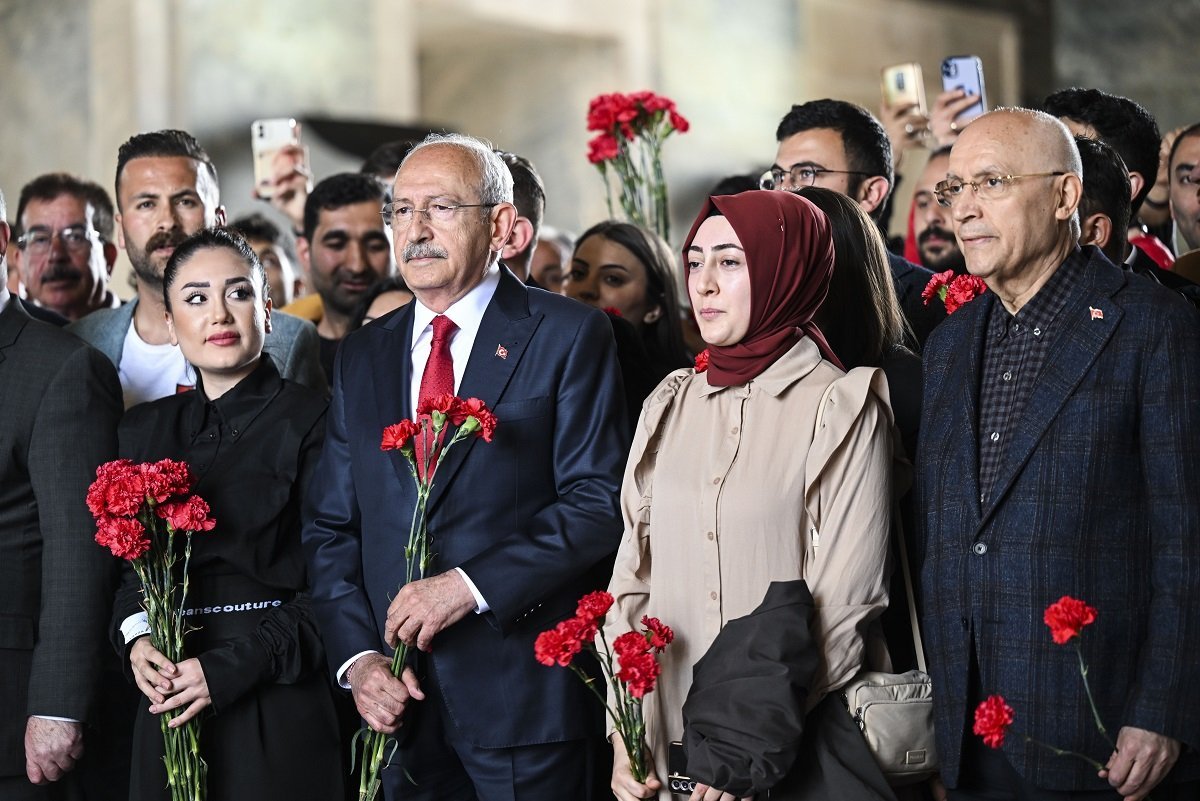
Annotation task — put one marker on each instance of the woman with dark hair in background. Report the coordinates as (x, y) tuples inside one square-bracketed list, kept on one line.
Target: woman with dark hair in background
[(385, 297), (623, 267), (256, 669)]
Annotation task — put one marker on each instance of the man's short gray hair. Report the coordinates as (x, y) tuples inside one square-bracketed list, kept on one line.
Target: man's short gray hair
[(496, 184)]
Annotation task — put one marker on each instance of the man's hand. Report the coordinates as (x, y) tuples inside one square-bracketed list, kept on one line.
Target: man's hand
[(423, 608), (906, 126), (705, 793), (942, 124), (51, 748), (381, 698), (1140, 762)]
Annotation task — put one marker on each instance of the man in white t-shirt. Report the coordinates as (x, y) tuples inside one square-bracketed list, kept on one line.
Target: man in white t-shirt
[(166, 191)]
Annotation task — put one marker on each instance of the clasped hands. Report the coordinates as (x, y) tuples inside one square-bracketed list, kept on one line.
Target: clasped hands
[(419, 611), (169, 685)]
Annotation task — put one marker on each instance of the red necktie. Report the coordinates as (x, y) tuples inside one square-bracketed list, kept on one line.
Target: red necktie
[(438, 378)]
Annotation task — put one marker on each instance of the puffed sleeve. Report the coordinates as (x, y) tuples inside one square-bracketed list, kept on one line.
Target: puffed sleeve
[(848, 496), (630, 583)]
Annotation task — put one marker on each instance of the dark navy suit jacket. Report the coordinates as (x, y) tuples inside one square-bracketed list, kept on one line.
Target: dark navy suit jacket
[(1098, 497), (525, 516)]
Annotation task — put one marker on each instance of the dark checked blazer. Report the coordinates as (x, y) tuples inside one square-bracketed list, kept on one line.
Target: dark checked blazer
[(60, 401), (525, 516), (1098, 497)]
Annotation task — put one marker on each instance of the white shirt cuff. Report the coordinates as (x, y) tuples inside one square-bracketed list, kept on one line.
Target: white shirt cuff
[(135, 626), (56, 717), (481, 606), (345, 668)]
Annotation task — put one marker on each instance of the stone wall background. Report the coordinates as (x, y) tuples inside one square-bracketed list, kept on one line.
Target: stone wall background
[(77, 77)]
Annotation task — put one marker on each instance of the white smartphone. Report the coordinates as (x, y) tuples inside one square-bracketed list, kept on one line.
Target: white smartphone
[(273, 141), (965, 73)]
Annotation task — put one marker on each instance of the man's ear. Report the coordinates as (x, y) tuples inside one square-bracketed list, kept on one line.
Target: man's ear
[(1136, 182), (520, 240), (503, 220), (220, 217), (120, 230), (872, 192), (303, 252), (1069, 196), (1096, 229), (110, 257)]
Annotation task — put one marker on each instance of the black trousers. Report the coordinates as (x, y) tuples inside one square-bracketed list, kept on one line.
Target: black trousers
[(435, 763)]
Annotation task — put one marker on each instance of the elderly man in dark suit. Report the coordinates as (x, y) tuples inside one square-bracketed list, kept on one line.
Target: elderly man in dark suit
[(516, 523), (59, 405), (1058, 456)]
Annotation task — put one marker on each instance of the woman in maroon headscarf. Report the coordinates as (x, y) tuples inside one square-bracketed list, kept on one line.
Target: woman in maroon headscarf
[(770, 465)]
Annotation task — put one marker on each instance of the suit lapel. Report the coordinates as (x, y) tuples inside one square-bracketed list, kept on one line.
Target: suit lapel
[(971, 360), (1082, 338), (504, 333), (392, 377)]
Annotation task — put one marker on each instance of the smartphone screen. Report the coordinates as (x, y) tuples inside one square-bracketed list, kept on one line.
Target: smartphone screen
[(965, 73), (277, 153)]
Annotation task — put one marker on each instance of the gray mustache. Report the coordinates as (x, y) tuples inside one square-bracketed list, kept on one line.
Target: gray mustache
[(422, 250)]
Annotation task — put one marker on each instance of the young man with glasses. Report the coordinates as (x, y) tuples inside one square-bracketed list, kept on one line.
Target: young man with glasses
[(841, 146), (1058, 457), (65, 251)]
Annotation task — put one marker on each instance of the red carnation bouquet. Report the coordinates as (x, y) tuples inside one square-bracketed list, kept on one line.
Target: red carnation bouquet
[(424, 442), (145, 513), (631, 678), (1066, 617), (953, 290), (632, 129)]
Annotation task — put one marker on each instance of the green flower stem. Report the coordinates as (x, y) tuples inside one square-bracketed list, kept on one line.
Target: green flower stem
[(1064, 752), (1083, 672)]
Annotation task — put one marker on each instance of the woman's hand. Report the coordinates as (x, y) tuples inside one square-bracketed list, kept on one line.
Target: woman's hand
[(942, 123), (705, 793), (624, 786), (906, 127), (152, 672), (189, 690)]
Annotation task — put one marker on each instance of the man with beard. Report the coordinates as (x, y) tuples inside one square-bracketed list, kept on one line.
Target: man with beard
[(166, 191), (65, 251), (345, 252), (931, 221)]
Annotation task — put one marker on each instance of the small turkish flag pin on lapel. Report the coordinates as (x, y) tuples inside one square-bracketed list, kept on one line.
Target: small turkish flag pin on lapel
[(502, 351), (1097, 314)]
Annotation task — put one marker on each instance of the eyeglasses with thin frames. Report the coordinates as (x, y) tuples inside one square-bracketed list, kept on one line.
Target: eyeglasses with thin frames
[(800, 174), (401, 215), (988, 187), (38, 241)]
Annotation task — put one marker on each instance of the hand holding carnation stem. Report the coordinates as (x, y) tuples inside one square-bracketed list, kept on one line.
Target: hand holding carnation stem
[(1139, 760), (383, 688), (139, 510)]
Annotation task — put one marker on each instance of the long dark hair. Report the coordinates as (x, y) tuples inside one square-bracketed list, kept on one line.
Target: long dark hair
[(861, 316), (663, 338)]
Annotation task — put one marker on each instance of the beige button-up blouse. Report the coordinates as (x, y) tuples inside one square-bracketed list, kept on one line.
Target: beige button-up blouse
[(730, 488)]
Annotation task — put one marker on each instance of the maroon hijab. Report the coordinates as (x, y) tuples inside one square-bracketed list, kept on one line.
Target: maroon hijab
[(789, 254)]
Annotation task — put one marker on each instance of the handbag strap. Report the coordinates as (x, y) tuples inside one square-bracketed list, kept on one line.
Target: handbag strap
[(908, 589)]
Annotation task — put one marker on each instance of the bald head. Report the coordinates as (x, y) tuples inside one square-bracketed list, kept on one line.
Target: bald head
[(1018, 219)]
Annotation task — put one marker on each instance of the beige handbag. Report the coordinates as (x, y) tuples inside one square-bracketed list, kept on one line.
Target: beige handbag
[(894, 711)]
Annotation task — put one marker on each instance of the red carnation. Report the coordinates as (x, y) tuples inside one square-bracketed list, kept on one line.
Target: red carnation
[(165, 478), (630, 643), (639, 672), (561, 644), (1066, 618), (485, 421), (658, 634), (594, 605), (118, 490), (602, 148), (547, 647), (702, 361), (124, 536), (963, 289), (679, 122), (445, 404), (399, 435), (187, 515), (935, 285), (992, 719), (612, 311)]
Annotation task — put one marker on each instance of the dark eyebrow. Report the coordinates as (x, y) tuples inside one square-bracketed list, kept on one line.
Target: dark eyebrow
[(727, 247), (620, 267), (237, 279), (1184, 167), (197, 284)]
